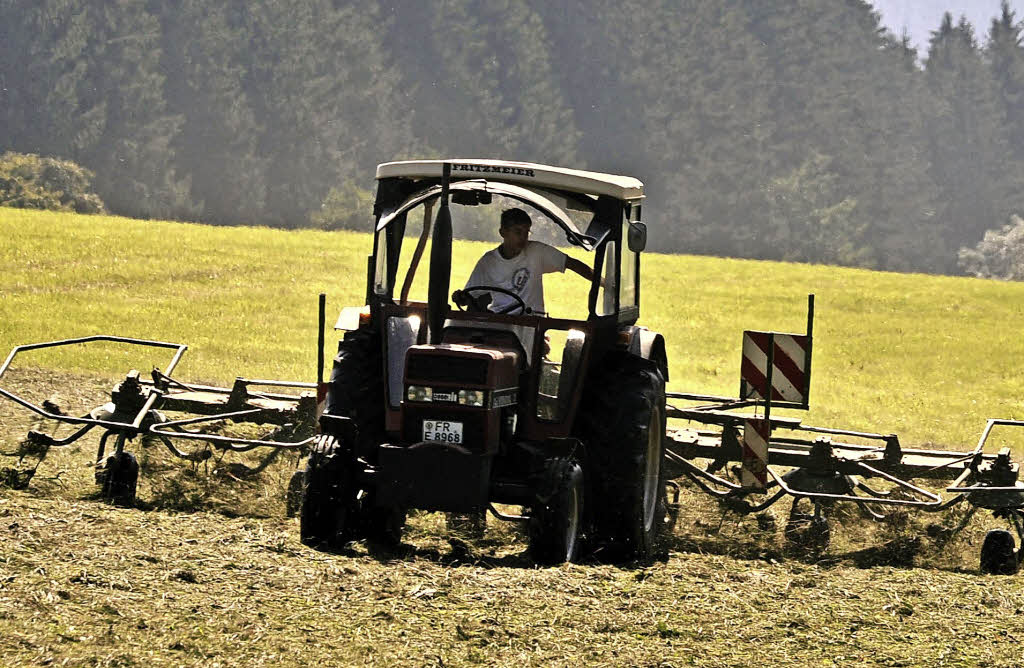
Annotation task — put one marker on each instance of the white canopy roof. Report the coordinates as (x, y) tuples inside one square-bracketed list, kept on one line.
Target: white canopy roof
[(527, 173)]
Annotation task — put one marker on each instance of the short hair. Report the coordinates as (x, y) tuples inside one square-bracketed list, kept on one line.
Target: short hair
[(515, 216)]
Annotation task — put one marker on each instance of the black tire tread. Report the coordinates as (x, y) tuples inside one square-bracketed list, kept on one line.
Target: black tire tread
[(357, 388), (120, 479), (998, 556), (358, 392), (328, 497), (549, 514), (613, 424)]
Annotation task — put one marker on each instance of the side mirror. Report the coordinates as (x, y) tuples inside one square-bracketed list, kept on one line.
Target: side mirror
[(637, 236)]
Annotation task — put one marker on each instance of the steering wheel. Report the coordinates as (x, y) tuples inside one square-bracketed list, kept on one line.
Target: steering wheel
[(462, 299)]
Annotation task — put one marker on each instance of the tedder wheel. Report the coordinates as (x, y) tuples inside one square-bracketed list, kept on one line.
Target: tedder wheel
[(622, 424), (556, 517), (328, 515), (119, 478), (809, 532), (998, 556)]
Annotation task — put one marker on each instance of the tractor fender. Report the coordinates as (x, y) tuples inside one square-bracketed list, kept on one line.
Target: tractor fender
[(650, 346)]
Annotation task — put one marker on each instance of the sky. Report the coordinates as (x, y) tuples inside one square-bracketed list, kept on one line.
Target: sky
[(921, 17)]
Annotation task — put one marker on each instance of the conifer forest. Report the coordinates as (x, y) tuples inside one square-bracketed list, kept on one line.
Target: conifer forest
[(796, 130)]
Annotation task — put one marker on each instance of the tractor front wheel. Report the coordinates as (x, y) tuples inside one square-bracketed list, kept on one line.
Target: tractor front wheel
[(328, 514), (556, 517), (382, 524)]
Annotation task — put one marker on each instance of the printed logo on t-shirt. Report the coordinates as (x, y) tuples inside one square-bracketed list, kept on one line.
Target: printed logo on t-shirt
[(520, 278)]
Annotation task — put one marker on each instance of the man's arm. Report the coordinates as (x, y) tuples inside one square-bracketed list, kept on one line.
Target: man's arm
[(578, 267)]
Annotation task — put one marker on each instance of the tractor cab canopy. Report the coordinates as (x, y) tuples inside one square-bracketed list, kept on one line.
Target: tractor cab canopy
[(528, 173), (588, 211)]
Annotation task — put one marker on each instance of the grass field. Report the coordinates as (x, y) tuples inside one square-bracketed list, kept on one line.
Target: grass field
[(206, 570), (95, 586), (927, 357)]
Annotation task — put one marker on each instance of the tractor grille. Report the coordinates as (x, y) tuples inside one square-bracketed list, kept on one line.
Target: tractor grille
[(432, 368)]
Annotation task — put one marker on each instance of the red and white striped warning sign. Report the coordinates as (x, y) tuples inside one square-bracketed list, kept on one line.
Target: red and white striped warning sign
[(754, 475), (790, 362)]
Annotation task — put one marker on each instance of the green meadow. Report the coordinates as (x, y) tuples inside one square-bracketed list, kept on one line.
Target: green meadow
[(926, 357)]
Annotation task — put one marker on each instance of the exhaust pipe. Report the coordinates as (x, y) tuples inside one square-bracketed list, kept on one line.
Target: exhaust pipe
[(440, 263)]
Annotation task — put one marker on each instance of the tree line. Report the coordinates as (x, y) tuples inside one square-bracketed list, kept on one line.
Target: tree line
[(794, 130)]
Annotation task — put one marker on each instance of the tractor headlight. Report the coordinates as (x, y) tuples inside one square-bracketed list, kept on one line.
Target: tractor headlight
[(471, 397), (419, 393)]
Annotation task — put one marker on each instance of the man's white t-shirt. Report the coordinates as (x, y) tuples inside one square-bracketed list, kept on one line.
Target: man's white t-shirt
[(521, 274)]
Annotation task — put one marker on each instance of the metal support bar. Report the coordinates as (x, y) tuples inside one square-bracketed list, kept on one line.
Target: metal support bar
[(200, 456), (322, 315), (505, 516), (47, 440), (180, 347), (224, 442), (134, 425), (695, 470), (935, 500), (191, 387)]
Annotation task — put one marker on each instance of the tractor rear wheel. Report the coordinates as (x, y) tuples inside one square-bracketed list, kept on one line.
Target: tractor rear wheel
[(357, 389), (556, 518), (998, 556), (328, 515), (622, 424)]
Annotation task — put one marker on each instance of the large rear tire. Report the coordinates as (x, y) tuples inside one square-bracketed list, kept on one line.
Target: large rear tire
[(556, 518), (622, 424), (357, 389)]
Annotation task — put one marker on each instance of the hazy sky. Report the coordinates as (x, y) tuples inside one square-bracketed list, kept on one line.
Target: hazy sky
[(920, 17)]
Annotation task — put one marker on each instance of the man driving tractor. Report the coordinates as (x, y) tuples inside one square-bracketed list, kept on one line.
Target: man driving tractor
[(518, 264)]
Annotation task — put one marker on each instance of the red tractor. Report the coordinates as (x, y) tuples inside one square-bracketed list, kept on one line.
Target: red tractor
[(459, 406)]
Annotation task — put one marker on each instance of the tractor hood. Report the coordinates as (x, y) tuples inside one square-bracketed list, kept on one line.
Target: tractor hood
[(462, 366)]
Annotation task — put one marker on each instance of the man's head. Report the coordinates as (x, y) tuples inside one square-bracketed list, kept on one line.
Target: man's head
[(514, 231)]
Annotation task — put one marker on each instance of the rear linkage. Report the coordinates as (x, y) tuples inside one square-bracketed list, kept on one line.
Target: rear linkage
[(826, 472), (138, 407)]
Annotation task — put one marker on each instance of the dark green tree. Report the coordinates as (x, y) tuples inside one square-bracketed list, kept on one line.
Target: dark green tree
[(966, 139), (1005, 56), (484, 79), (205, 55), (122, 87), (42, 61), (325, 97)]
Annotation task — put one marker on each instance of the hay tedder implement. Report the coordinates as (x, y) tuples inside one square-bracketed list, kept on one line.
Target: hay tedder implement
[(476, 407), (780, 456), (144, 407)]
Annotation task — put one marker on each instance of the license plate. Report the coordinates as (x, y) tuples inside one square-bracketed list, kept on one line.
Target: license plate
[(442, 431)]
